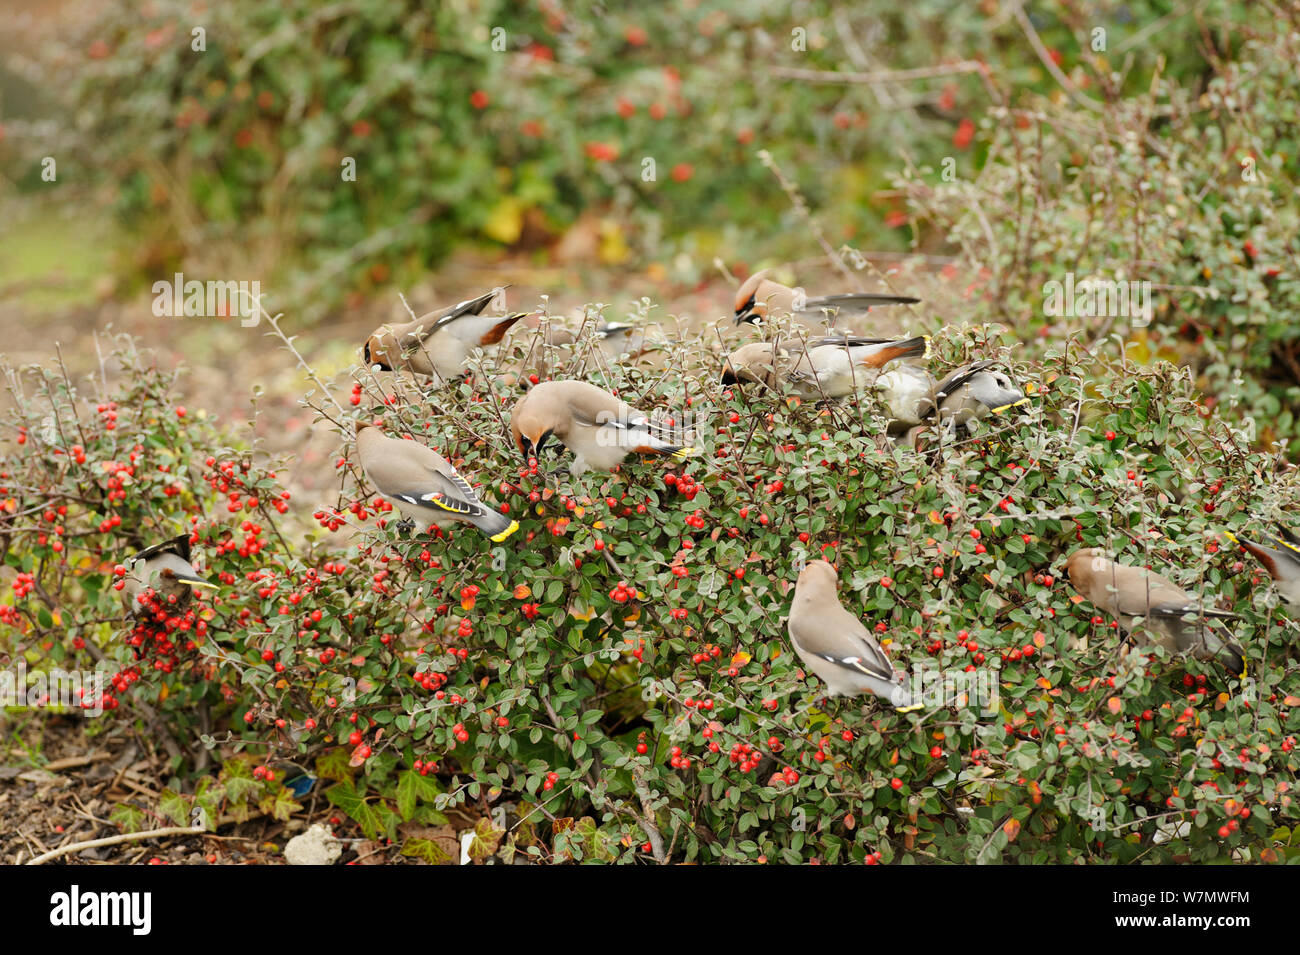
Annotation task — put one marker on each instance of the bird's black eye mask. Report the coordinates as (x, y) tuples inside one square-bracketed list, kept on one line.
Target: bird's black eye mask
[(535, 450), (746, 312)]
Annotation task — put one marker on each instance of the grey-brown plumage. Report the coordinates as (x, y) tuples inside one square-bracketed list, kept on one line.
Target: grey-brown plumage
[(165, 569), (828, 367), (835, 645), (1172, 618), (423, 485), (600, 429), (759, 296), (1280, 557), (966, 395), (439, 343)]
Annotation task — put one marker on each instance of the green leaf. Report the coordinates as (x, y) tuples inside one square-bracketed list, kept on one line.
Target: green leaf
[(345, 796), (426, 849)]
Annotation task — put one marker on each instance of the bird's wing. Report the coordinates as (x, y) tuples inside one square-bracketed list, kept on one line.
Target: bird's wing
[(859, 300), (180, 546), (427, 481), (844, 641), (1163, 599), (949, 385), (846, 341), (473, 306)]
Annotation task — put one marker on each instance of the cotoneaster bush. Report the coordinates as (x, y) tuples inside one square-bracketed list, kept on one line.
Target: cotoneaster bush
[(614, 682)]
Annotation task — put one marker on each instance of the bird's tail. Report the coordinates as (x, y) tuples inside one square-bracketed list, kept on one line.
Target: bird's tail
[(495, 525), (882, 354), (901, 699)]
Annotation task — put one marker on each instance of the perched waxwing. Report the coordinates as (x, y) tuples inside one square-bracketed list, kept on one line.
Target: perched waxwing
[(438, 344), (597, 427), (968, 394), (760, 362), (164, 568), (759, 296), (420, 483), (835, 645), (1281, 558), (833, 368), (1126, 593)]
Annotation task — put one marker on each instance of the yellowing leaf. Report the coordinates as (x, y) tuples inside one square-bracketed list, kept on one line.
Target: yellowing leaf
[(1044, 682), (1114, 705), (523, 592), (505, 222), (740, 658), (1012, 828)]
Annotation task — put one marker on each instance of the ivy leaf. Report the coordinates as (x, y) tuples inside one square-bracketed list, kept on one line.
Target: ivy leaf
[(280, 805), (426, 849)]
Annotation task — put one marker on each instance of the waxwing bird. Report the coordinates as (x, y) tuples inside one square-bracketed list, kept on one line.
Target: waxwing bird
[(968, 394), (833, 368), (421, 483), (1281, 558), (600, 429), (164, 568), (759, 296), (1127, 593), (759, 362), (438, 344), (835, 645)]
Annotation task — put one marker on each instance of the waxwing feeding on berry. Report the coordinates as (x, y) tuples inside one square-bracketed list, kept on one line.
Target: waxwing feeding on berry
[(600, 429), (1172, 618), (421, 483), (438, 344), (758, 362), (759, 296), (968, 394), (1280, 557), (835, 645), (165, 569)]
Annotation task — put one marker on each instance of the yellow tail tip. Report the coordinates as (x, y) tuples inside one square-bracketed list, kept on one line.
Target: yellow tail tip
[(910, 709), (682, 454), (498, 538), (1231, 536), (927, 346)]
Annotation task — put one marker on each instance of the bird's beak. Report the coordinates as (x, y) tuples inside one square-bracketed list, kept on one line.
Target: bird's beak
[(729, 377), (196, 582)]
